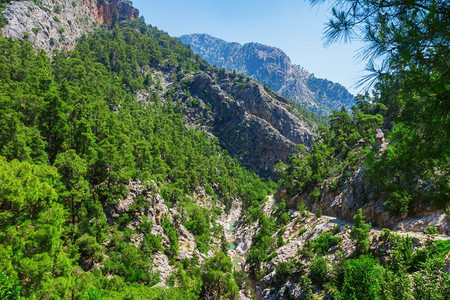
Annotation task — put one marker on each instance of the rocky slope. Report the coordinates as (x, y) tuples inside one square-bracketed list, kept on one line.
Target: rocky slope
[(356, 192), (273, 67), (250, 121), (56, 25), (255, 125), (302, 229)]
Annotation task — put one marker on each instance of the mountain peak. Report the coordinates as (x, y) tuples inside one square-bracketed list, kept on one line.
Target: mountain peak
[(271, 66)]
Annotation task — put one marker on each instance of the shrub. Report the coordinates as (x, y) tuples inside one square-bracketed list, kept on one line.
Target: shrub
[(302, 231), (318, 271), (8, 290), (306, 288), (399, 202), (319, 212), (360, 233), (362, 279), (284, 270), (324, 242)]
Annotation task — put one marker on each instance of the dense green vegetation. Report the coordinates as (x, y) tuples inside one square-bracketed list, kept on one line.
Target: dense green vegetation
[(72, 135), (340, 148), (409, 103)]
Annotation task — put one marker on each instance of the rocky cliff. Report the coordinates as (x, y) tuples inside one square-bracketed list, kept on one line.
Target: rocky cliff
[(56, 25), (250, 121), (255, 125), (273, 67), (356, 193)]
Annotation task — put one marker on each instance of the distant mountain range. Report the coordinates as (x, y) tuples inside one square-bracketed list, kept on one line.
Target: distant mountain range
[(271, 66)]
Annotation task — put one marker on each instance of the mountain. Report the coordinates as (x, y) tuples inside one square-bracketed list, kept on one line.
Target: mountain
[(122, 175), (56, 25), (252, 123), (273, 67)]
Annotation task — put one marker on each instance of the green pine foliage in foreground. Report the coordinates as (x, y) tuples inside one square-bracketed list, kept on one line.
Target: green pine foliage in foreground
[(72, 135), (406, 49)]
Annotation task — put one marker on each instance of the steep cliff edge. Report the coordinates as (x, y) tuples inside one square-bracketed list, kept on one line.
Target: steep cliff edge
[(273, 67), (56, 25)]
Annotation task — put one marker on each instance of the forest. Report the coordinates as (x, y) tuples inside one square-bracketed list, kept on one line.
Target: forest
[(74, 136)]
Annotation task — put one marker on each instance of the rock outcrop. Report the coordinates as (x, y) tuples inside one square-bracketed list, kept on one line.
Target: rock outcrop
[(273, 67), (356, 193), (57, 24), (302, 229), (255, 125), (250, 123)]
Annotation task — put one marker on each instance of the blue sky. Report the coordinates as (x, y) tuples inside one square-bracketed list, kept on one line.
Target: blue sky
[(291, 25)]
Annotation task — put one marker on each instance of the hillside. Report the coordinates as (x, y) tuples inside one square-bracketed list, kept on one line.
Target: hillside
[(273, 67), (130, 168)]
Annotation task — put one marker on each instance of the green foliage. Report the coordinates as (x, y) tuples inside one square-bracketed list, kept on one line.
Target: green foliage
[(72, 135), (151, 244), (31, 225), (8, 290), (306, 288), (399, 202), (341, 145), (218, 281), (324, 242), (363, 279), (199, 225), (360, 233), (263, 244), (172, 234), (284, 270), (242, 280), (318, 271), (409, 41)]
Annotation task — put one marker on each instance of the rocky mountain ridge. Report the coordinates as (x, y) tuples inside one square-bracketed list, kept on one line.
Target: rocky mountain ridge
[(273, 67), (56, 25), (255, 125), (250, 121)]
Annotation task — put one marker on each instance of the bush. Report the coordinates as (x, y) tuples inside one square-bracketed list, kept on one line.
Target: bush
[(151, 244), (324, 242), (360, 233), (241, 280), (8, 290), (399, 202), (306, 288), (363, 278), (318, 271), (284, 270)]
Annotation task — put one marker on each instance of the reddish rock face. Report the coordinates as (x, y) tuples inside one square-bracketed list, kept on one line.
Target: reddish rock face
[(104, 10)]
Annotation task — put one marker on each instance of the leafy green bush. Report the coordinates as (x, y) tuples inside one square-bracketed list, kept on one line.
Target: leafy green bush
[(360, 233), (318, 271), (8, 290), (284, 270), (363, 279), (324, 242)]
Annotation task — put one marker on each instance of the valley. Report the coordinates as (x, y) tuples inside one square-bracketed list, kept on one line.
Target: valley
[(133, 168)]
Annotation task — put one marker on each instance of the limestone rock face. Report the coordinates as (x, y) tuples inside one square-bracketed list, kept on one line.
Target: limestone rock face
[(252, 123), (357, 193), (255, 125), (57, 24), (273, 67)]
